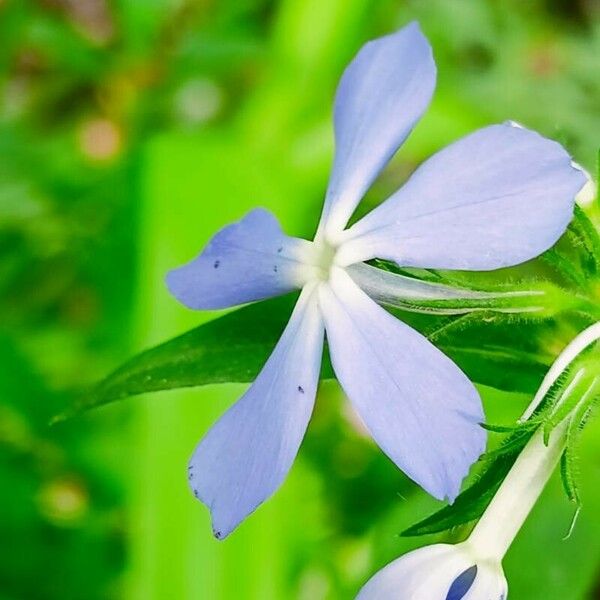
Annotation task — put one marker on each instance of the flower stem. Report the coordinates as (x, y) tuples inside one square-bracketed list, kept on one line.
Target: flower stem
[(517, 495), (523, 485)]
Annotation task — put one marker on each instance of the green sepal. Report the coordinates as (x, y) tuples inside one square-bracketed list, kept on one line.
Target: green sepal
[(586, 236), (518, 427), (569, 474), (569, 469), (565, 267), (529, 299), (515, 442), (566, 403), (576, 256)]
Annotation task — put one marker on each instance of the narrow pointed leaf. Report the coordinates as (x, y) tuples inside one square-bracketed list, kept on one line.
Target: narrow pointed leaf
[(232, 348), (569, 475)]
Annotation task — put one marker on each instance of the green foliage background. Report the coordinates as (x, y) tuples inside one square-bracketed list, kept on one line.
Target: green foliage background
[(129, 132)]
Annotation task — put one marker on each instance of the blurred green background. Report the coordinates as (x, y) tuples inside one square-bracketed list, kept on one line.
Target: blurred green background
[(130, 130)]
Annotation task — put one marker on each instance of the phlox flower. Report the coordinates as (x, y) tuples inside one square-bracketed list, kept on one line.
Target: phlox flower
[(495, 198)]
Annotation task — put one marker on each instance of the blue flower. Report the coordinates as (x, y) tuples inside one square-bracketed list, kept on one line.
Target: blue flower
[(495, 198)]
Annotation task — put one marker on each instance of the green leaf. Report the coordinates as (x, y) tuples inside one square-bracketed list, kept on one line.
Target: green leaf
[(514, 443), (507, 354), (574, 389), (569, 470), (498, 367), (232, 348), (569, 466), (586, 240), (569, 475), (565, 267), (494, 428), (576, 256)]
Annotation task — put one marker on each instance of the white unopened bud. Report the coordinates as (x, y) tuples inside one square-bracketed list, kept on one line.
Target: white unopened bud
[(441, 571)]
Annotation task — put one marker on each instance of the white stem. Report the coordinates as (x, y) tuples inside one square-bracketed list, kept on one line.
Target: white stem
[(524, 483), (517, 495)]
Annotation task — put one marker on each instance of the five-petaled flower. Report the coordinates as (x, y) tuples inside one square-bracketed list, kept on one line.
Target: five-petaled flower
[(495, 198)]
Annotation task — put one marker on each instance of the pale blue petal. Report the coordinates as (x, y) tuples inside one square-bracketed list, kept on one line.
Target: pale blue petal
[(496, 198), (247, 454), (418, 405), (246, 261), (381, 96)]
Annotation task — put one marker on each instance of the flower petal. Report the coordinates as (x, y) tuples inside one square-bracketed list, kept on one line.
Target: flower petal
[(380, 97), (496, 198), (424, 574), (247, 454), (418, 405), (246, 261)]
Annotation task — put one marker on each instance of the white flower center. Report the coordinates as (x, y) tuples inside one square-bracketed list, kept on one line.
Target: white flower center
[(318, 259), (325, 259)]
